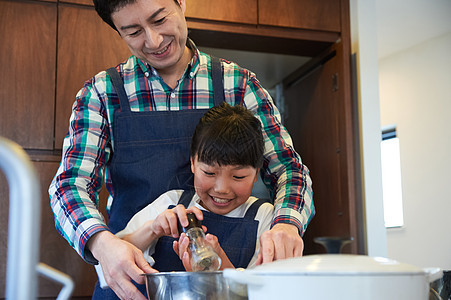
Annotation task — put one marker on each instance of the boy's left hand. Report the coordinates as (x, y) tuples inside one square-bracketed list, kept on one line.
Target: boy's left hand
[(181, 248)]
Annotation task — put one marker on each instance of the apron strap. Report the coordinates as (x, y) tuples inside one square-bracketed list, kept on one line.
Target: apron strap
[(186, 197), (118, 85), (218, 82), (216, 76), (252, 210)]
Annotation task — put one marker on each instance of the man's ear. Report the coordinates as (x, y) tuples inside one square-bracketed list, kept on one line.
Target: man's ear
[(182, 4)]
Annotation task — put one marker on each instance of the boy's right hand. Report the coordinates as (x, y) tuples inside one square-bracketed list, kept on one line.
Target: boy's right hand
[(166, 222)]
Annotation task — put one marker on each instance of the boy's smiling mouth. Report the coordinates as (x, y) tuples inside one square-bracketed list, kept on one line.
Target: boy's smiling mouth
[(220, 200)]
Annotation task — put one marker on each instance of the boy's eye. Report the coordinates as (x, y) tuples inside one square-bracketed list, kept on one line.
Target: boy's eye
[(208, 173), (239, 177)]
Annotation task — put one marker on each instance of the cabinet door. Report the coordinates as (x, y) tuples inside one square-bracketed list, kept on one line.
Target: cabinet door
[(86, 46), (237, 11), (28, 36), (317, 121), (306, 14)]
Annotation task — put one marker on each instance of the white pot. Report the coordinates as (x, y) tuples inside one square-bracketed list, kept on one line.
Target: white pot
[(336, 276)]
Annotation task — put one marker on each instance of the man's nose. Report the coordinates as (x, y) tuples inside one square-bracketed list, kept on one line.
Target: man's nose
[(153, 39)]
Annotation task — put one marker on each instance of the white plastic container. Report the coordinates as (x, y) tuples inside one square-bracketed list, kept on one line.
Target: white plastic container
[(336, 276)]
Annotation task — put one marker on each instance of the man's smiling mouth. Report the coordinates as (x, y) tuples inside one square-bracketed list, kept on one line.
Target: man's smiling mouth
[(161, 51)]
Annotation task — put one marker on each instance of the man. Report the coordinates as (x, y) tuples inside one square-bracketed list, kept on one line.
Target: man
[(137, 135)]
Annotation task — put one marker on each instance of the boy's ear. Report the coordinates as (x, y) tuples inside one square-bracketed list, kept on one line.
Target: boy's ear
[(256, 175), (192, 164)]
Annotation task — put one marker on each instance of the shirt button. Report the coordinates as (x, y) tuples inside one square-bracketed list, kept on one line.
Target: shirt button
[(146, 74), (173, 95), (191, 74)]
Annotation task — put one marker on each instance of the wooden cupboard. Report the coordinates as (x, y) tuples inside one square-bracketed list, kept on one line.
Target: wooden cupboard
[(82, 53), (28, 58), (57, 45)]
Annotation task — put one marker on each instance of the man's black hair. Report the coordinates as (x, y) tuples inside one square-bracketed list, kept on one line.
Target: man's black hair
[(105, 8), (228, 135)]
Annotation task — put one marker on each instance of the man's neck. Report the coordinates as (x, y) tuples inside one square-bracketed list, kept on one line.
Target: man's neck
[(172, 75)]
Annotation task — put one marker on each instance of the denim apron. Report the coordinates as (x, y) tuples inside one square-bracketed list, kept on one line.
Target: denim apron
[(151, 156), (237, 237)]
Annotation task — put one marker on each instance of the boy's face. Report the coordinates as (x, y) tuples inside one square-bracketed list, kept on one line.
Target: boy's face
[(222, 188), (155, 31)]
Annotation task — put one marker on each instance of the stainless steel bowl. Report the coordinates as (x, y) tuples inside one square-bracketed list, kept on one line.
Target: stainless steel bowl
[(193, 285)]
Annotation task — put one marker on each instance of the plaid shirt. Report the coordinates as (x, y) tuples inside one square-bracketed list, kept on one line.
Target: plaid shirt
[(89, 144)]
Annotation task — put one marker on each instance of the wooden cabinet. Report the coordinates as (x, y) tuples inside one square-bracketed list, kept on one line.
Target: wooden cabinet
[(86, 46), (300, 14), (320, 125), (226, 11), (306, 14), (28, 59)]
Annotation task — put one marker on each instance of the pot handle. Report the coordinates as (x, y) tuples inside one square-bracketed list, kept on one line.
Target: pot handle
[(55, 275), (432, 274), (243, 277)]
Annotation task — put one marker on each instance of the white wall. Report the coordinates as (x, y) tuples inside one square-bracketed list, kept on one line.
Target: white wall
[(415, 95)]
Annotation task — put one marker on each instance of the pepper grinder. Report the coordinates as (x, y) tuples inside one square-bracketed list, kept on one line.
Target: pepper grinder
[(203, 257)]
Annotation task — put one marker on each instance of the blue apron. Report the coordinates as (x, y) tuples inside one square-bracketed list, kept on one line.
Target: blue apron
[(237, 237), (151, 156)]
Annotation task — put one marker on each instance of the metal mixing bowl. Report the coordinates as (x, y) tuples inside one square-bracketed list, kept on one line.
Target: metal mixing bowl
[(193, 285)]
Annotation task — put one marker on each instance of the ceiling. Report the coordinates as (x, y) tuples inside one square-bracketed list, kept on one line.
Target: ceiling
[(401, 24)]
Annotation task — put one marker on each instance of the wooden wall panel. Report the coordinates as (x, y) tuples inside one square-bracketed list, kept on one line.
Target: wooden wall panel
[(86, 46), (226, 11), (306, 14), (28, 57)]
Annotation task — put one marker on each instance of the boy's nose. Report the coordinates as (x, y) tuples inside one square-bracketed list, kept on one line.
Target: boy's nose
[(222, 186)]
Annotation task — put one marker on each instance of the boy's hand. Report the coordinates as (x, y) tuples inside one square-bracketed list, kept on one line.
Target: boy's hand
[(166, 222), (181, 248)]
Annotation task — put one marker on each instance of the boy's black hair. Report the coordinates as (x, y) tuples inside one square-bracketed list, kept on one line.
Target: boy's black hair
[(228, 135), (105, 8)]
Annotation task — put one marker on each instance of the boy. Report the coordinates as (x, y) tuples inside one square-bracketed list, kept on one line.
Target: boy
[(226, 156)]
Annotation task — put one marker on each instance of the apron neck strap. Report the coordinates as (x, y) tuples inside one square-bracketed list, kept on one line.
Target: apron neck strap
[(118, 85), (217, 78)]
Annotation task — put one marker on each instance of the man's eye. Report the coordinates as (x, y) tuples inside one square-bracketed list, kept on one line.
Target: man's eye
[(159, 21), (134, 33)]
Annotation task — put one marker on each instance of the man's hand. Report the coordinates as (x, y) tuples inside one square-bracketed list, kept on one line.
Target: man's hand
[(282, 241), (121, 262)]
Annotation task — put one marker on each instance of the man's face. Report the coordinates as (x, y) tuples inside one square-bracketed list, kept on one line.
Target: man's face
[(154, 30)]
